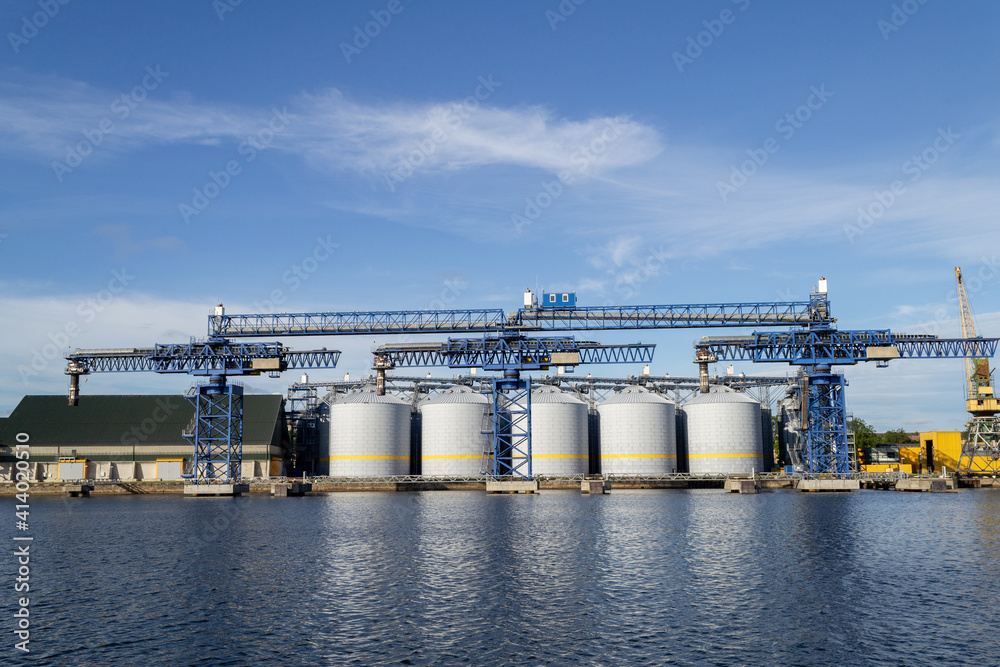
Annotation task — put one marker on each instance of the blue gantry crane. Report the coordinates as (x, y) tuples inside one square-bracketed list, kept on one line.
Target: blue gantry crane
[(821, 393), (216, 432)]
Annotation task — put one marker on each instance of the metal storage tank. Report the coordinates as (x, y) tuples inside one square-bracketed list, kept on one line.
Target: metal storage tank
[(723, 431), (452, 439), (369, 436), (558, 433), (638, 433)]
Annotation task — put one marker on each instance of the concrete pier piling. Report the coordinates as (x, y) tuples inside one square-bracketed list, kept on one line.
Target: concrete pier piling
[(512, 486), (594, 486), (195, 490), (287, 490), (938, 485), (828, 485), (741, 486)]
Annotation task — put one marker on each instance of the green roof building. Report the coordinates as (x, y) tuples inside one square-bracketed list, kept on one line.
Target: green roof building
[(133, 437)]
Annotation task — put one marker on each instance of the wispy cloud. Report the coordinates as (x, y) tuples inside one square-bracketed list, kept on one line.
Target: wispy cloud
[(332, 131)]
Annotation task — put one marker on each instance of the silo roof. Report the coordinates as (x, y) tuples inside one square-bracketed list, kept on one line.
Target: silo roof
[(636, 395), (721, 397), (369, 396), (549, 394), (457, 394)]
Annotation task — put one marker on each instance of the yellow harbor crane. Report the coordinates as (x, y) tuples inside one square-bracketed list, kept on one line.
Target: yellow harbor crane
[(982, 449)]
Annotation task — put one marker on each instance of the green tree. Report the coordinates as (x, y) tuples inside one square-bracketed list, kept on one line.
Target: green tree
[(895, 437), (864, 434)]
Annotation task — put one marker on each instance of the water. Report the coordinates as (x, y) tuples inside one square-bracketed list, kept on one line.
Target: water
[(631, 578)]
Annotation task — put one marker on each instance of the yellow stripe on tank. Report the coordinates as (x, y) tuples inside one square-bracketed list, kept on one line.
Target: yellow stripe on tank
[(456, 456), (722, 456), (638, 456), (369, 457), (554, 456)]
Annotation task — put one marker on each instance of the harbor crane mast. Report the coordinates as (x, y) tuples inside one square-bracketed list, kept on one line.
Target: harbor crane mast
[(981, 449)]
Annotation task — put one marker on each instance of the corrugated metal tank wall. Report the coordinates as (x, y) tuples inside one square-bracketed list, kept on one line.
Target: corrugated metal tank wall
[(369, 436), (452, 438), (724, 433), (638, 433), (559, 439)]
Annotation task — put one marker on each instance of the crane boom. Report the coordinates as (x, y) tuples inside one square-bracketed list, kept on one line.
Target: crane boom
[(979, 389)]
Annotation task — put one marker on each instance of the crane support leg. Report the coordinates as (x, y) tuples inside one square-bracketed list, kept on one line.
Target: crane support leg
[(981, 453), (511, 428), (217, 431), (826, 449)]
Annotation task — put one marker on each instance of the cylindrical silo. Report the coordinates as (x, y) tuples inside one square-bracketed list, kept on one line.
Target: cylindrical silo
[(369, 436), (638, 433), (558, 433), (723, 430), (452, 439)]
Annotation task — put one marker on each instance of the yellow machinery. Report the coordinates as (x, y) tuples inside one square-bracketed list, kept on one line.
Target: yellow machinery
[(981, 451)]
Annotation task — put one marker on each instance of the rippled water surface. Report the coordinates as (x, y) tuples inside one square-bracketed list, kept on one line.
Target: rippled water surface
[(630, 578)]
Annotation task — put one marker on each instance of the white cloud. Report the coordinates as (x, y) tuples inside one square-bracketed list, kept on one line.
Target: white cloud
[(43, 116)]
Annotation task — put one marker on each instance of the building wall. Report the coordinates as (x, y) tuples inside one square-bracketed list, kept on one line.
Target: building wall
[(947, 448)]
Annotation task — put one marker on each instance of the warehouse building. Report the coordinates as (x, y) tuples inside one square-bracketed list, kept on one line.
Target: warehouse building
[(133, 437)]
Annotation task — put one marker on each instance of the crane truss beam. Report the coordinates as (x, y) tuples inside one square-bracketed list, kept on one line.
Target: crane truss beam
[(813, 312), (785, 313), (512, 353), (366, 322), (842, 347), (199, 358)]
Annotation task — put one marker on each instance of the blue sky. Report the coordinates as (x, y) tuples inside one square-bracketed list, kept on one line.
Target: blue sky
[(158, 158)]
